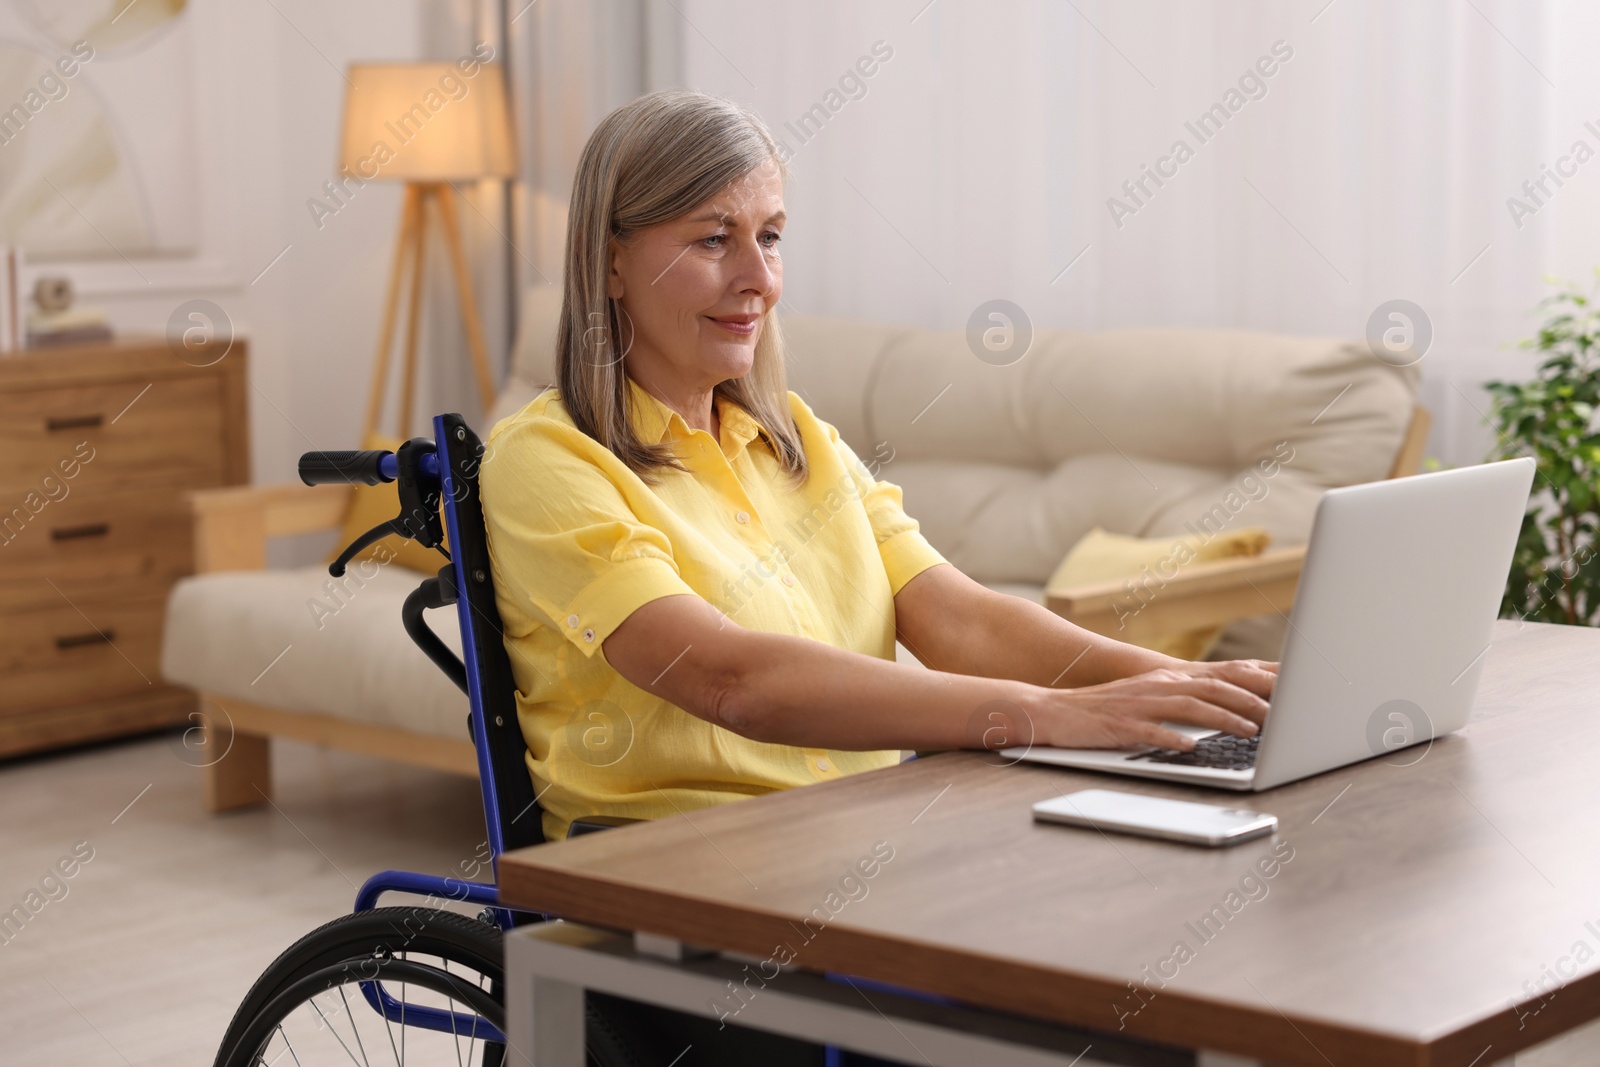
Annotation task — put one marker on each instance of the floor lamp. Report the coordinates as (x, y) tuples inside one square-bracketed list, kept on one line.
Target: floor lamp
[(427, 124)]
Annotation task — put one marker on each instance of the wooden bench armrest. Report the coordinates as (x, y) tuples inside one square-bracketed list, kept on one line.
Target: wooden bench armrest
[(1200, 594), (1408, 460), (232, 523)]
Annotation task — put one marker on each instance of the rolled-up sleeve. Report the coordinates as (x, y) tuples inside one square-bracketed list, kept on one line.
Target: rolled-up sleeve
[(905, 552), (564, 544)]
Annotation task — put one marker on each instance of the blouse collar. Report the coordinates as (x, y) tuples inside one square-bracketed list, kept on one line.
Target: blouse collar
[(655, 422)]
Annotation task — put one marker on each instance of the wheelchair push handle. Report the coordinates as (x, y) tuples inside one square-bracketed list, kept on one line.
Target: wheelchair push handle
[(364, 466), (415, 469)]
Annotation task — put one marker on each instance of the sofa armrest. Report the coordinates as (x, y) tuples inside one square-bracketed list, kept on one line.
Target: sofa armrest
[(232, 524), (1199, 595), (1408, 460)]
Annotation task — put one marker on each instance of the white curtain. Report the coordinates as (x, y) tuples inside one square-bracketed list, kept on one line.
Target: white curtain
[(447, 380), (572, 61), (978, 159)]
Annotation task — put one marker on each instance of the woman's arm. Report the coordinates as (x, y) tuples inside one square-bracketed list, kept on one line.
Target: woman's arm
[(951, 623), (795, 691)]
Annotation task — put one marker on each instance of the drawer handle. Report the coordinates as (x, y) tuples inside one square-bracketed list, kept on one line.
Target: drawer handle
[(69, 533), (72, 422), (79, 640)]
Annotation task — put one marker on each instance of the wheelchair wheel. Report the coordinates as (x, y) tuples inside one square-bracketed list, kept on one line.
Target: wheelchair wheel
[(309, 1007)]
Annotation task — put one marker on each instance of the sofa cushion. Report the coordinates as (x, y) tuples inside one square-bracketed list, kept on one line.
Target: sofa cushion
[(344, 650), (1148, 433), (1140, 431)]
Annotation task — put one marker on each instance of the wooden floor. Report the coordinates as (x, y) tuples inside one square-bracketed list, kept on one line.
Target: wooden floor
[(160, 934)]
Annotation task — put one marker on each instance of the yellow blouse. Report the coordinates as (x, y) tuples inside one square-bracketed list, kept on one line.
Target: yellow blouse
[(578, 542)]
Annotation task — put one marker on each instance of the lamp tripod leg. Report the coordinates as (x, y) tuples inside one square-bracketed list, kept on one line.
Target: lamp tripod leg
[(469, 307), (410, 219), (408, 383)]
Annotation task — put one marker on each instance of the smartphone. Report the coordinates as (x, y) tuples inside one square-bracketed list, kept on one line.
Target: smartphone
[(1170, 820)]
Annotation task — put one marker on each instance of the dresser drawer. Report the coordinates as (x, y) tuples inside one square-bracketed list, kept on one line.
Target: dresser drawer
[(99, 546), (74, 652), (116, 434)]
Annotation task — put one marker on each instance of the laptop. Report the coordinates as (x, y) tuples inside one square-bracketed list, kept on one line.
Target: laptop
[(1387, 638)]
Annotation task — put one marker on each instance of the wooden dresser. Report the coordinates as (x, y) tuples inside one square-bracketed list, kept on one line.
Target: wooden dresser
[(97, 445)]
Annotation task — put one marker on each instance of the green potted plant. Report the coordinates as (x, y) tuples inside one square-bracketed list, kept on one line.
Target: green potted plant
[(1555, 575)]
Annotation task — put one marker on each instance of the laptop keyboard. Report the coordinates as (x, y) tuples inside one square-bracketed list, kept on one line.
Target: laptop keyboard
[(1223, 752)]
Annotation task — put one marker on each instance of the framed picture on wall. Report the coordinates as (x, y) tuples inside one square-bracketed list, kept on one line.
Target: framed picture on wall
[(97, 129)]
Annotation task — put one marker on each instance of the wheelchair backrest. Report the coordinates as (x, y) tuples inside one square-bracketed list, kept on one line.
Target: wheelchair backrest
[(510, 806)]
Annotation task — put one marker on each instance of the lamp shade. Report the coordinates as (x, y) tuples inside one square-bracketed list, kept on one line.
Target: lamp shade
[(426, 122)]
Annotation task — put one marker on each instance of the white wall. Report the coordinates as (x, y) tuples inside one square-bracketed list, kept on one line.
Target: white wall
[(270, 91), (980, 161), (977, 165)]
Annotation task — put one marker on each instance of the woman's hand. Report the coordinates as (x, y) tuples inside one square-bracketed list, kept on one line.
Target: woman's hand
[(1229, 695)]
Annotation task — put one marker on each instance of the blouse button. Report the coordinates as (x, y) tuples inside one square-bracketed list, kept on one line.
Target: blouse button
[(588, 635), (742, 517), (822, 764), (788, 580), (572, 620)]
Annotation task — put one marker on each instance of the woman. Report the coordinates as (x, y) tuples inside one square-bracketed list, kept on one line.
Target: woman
[(701, 584)]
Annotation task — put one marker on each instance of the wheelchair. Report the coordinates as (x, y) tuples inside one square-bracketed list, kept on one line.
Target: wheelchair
[(425, 980)]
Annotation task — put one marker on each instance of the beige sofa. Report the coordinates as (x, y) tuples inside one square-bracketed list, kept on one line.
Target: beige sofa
[(1144, 432)]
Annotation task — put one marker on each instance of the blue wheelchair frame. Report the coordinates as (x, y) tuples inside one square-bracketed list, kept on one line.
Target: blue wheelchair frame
[(434, 473), (434, 476)]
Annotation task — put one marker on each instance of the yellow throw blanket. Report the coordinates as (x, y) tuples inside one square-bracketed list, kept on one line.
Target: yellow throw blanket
[(1101, 557)]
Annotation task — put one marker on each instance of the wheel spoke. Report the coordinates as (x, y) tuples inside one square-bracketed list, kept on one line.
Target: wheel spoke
[(389, 1025), (318, 1009), (456, 1037), (430, 1047), (402, 1062), (288, 1045), (354, 1029)]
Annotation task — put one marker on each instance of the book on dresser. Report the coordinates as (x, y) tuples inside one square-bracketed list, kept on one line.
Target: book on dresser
[(101, 444)]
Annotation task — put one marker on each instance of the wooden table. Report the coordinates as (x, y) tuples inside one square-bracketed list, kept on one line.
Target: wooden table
[(1440, 907)]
